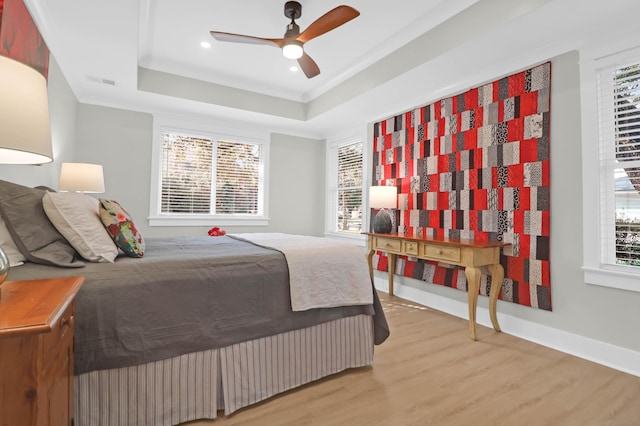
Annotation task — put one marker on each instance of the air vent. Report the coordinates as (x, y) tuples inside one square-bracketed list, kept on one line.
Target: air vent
[(101, 80)]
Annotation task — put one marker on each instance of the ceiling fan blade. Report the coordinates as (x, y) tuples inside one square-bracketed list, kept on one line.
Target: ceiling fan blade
[(308, 65), (239, 38), (327, 22)]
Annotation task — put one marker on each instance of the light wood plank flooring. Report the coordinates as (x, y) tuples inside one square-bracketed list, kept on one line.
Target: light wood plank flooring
[(430, 373)]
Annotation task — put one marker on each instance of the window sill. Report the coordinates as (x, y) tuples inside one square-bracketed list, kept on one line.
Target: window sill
[(612, 278), (205, 220)]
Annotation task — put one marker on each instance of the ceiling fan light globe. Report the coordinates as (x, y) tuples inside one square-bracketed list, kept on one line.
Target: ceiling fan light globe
[(292, 50)]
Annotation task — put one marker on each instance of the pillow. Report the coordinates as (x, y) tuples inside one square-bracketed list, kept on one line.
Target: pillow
[(34, 235), (76, 217), (9, 246), (121, 228)]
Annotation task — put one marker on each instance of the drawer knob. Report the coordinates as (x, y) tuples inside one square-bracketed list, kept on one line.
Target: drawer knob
[(66, 321), (440, 251)]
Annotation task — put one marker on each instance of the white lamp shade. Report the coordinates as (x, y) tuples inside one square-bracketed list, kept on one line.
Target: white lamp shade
[(383, 197), (81, 177), (25, 131)]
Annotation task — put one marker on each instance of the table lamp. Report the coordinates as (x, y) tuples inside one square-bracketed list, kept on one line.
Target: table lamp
[(81, 177), (25, 131), (383, 198)]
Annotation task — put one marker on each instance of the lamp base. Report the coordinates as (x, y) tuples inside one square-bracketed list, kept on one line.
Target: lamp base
[(382, 223)]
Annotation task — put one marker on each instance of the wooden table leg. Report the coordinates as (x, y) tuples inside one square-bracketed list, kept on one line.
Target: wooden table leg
[(392, 271), (473, 284), (497, 276)]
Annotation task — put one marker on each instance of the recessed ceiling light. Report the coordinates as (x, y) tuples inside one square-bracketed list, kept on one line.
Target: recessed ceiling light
[(205, 44), (294, 68)]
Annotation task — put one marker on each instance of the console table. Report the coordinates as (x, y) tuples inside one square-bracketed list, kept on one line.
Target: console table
[(467, 253)]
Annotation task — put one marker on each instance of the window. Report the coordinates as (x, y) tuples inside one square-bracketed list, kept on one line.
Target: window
[(612, 255), (619, 118), (349, 212), (238, 178), (187, 163), (345, 180), (205, 178)]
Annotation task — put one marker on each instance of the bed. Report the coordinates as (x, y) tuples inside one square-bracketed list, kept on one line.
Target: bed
[(199, 325)]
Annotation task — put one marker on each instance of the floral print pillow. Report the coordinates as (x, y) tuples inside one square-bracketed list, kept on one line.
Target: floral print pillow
[(121, 228)]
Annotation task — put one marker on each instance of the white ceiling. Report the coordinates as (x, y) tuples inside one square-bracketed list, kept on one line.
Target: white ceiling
[(171, 32), (97, 43)]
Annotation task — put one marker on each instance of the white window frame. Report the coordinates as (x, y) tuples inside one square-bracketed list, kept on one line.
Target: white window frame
[(333, 146), (597, 193), (215, 132)]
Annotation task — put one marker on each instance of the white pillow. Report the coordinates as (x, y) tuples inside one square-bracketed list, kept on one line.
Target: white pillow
[(76, 217), (9, 246)]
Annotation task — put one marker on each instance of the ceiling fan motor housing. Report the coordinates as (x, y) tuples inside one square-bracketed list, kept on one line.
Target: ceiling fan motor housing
[(292, 30), (292, 10)]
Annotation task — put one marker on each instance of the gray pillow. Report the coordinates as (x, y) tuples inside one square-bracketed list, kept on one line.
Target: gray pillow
[(34, 235)]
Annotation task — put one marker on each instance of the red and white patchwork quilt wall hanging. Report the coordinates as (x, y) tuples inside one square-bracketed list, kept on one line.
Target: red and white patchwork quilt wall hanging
[(475, 166)]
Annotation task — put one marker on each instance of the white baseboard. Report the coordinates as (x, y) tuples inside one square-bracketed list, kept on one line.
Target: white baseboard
[(615, 357)]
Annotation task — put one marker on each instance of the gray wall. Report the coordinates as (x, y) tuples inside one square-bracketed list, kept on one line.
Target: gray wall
[(121, 140), (296, 185), (604, 314)]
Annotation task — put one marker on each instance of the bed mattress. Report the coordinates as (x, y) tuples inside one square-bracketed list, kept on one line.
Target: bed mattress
[(185, 295)]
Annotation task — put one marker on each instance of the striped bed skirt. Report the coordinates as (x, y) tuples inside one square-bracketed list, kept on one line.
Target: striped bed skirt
[(197, 385)]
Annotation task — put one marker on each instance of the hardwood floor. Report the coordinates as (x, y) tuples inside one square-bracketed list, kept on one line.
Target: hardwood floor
[(430, 373)]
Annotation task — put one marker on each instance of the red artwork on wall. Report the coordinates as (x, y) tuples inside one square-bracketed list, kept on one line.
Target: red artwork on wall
[(20, 38), (475, 166)]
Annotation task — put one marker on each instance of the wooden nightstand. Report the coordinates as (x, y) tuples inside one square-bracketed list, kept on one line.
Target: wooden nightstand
[(36, 351)]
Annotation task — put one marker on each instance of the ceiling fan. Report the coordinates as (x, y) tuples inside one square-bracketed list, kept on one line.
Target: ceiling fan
[(293, 40)]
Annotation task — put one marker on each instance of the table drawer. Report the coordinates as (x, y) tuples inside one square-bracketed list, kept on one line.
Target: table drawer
[(59, 332), (410, 248), (388, 244), (444, 253)]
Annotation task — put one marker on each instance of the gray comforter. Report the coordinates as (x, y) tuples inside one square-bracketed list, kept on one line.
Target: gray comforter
[(184, 295)]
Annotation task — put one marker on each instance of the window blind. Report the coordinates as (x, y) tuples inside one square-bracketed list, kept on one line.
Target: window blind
[(186, 174), (237, 178), (349, 212), (619, 116), (188, 171)]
